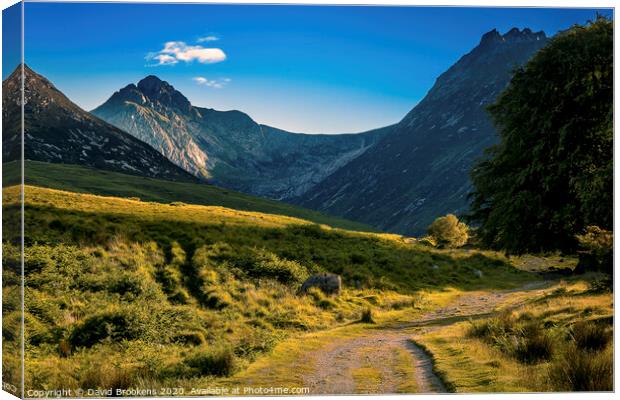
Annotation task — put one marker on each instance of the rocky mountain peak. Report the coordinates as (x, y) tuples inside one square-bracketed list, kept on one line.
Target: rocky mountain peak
[(30, 76), (57, 130), (152, 84), (161, 91), (491, 37), (514, 35)]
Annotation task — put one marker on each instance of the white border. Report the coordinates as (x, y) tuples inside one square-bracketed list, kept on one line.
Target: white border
[(462, 3)]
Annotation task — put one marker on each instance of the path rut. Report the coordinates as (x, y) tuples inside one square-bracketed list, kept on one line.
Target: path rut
[(369, 363)]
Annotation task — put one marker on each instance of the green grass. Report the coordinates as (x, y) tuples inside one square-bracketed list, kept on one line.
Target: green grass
[(124, 292), (81, 179)]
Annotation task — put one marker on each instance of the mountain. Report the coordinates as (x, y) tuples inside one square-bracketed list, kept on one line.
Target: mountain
[(398, 178), (420, 170), (228, 148), (56, 130)]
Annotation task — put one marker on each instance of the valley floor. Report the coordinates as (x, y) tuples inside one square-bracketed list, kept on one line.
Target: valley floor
[(123, 293), (399, 355)]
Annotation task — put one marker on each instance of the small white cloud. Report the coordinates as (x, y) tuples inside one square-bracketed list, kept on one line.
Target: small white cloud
[(173, 52), (165, 59), (212, 83), (208, 39)]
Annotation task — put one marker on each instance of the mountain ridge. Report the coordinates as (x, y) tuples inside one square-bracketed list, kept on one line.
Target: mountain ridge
[(57, 130), (420, 170), (229, 148), (396, 178)]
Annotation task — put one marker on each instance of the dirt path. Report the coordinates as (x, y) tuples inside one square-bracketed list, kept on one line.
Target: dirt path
[(373, 363)]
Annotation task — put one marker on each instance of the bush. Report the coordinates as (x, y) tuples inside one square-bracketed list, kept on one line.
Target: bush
[(190, 338), (579, 370), (126, 285), (216, 362), (597, 250), (523, 339), (320, 299), (269, 265), (590, 336), (428, 241), (244, 262), (448, 231), (603, 285), (116, 325), (533, 344), (367, 316)]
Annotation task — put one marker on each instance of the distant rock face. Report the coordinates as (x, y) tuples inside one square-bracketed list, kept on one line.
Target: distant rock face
[(228, 148), (420, 169), (56, 130), (330, 284)]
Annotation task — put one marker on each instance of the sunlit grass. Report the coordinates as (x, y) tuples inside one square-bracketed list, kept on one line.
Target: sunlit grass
[(124, 292), (472, 362)]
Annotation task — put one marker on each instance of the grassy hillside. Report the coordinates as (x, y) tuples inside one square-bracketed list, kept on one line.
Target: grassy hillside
[(81, 179), (123, 293)]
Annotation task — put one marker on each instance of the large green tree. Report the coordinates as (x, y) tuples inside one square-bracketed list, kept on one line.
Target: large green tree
[(551, 175)]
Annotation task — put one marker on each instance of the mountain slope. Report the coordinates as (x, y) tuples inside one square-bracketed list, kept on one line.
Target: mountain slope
[(227, 147), (58, 131), (420, 170), (81, 179)]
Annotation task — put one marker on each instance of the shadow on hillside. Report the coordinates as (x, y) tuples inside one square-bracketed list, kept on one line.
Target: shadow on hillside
[(363, 261)]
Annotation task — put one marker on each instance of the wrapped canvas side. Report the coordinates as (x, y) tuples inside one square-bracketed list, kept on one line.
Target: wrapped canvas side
[(12, 201)]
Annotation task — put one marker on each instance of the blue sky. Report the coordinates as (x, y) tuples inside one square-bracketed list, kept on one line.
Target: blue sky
[(11, 39), (312, 69)]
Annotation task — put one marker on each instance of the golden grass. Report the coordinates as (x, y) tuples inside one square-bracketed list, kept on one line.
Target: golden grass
[(150, 252), (471, 365)]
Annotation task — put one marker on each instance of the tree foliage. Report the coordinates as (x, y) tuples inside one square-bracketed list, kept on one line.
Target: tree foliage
[(551, 175), (448, 231)]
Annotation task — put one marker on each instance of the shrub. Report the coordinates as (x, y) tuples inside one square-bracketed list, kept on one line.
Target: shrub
[(169, 277), (491, 328), (358, 258), (603, 285), (597, 250), (217, 362), (216, 298), (190, 338), (320, 299), (116, 325), (126, 284), (428, 241), (533, 344), (269, 265), (588, 335), (180, 296), (579, 370), (11, 326), (367, 316), (177, 254), (448, 231), (525, 340)]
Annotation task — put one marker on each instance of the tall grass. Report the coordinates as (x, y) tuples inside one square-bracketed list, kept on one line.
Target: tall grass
[(582, 370), (525, 340), (580, 355)]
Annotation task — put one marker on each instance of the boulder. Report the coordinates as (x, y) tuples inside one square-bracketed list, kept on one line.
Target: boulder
[(328, 283)]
